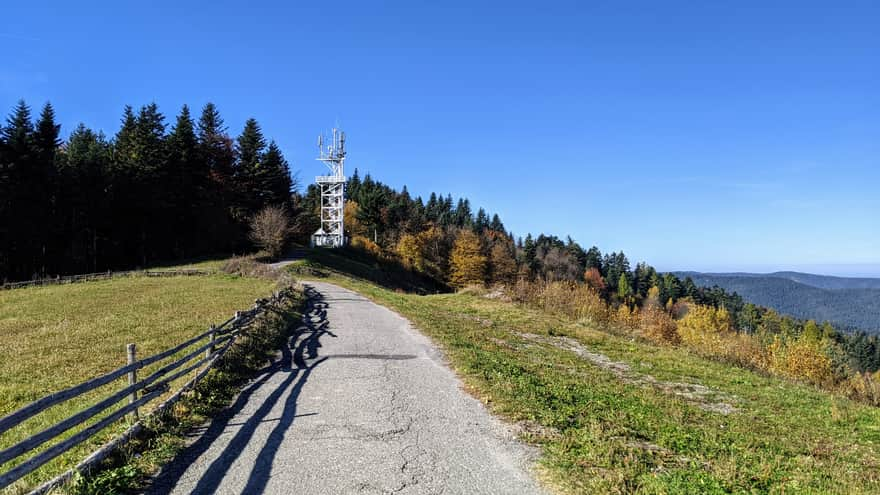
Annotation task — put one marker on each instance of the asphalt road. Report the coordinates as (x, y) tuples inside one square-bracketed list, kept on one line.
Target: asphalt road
[(360, 402)]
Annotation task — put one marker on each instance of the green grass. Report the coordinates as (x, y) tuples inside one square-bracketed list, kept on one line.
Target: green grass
[(600, 434), (54, 337), (364, 266)]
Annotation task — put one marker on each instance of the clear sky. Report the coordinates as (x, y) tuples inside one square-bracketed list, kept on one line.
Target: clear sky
[(694, 135)]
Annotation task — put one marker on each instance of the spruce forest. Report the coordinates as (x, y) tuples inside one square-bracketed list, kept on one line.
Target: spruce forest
[(151, 192), (157, 192)]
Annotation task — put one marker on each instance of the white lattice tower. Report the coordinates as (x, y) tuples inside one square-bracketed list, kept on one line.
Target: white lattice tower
[(332, 230)]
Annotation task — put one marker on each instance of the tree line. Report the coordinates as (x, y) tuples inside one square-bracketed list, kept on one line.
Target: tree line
[(445, 239), (148, 193)]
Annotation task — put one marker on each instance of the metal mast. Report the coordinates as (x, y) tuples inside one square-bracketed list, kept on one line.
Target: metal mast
[(332, 230)]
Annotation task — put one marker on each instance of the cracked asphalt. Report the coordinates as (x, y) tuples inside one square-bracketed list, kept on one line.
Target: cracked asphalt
[(359, 402)]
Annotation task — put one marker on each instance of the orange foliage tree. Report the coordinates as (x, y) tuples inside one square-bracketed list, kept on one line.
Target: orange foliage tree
[(594, 280)]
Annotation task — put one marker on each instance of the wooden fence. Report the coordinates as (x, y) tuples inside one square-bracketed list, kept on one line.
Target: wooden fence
[(202, 353), (100, 276)]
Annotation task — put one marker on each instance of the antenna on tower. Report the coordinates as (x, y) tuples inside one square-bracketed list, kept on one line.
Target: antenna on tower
[(332, 230)]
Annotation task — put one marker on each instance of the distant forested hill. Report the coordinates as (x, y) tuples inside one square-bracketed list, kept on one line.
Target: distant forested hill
[(853, 303)]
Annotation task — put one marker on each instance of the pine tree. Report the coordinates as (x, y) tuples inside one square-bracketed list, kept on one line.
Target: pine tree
[(249, 148), (624, 291), (215, 145), (370, 208), (5, 204), (482, 221), (352, 187), (274, 184), (46, 137), (496, 224), (187, 189), (529, 253), (84, 177), (124, 151), (150, 141), (18, 133), (593, 259), (42, 190), (463, 215), (217, 156), (17, 138), (431, 208)]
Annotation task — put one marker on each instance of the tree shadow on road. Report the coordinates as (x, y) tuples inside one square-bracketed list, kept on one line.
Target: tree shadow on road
[(299, 357)]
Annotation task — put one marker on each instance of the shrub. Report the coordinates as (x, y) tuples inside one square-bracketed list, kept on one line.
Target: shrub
[(656, 325), (801, 359), (248, 266), (366, 245), (270, 229), (627, 318), (704, 327), (864, 387)]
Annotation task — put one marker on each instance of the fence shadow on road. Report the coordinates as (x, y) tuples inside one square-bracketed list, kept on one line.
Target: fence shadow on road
[(299, 357)]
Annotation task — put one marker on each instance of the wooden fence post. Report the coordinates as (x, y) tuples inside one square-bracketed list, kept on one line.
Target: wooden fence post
[(132, 378), (210, 350)]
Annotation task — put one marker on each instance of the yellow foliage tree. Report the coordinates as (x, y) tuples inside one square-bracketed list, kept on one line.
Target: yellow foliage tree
[(802, 359), (502, 263), (704, 328), (467, 263), (349, 217), (409, 249)]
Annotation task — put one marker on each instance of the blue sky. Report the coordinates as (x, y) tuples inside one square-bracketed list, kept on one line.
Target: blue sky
[(693, 135)]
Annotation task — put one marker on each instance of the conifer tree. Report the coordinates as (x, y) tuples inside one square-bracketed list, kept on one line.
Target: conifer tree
[(215, 145), (463, 215), (188, 183), (496, 224), (41, 184), (353, 185), (84, 175), (624, 291), (249, 148), (216, 153), (274, 184), (482, 221), (124, 144), (46, 137), (17, 137)]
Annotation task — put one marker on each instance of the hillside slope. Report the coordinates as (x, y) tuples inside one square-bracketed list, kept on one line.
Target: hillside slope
[(851, 308), (614, 415), (57, 336)]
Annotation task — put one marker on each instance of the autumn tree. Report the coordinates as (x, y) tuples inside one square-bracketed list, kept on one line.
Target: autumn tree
[(467, 263), (594, 280), (353, 226), (502, 264), (409, 250)]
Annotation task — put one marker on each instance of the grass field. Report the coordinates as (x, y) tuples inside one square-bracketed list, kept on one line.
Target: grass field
[(56, 336), (619, 416)]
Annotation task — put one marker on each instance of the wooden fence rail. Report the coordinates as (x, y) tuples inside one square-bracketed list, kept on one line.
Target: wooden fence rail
[(218, 339), (100, 276)]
